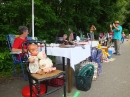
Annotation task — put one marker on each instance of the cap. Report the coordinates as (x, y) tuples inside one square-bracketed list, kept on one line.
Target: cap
[(117, 22)]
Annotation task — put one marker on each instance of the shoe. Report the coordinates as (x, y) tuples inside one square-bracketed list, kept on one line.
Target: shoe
[(114, 53), (118, 54)]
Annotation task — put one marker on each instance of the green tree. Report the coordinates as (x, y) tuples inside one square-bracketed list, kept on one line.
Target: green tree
[(52, 18)]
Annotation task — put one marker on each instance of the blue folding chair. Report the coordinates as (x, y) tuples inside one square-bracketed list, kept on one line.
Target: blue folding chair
[(10, 40)]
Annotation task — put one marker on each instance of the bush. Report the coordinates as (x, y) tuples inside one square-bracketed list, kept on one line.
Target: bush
[(5, 62)]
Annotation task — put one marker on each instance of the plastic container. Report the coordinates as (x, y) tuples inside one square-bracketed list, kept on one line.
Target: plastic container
[(26, 91), (110, 51)]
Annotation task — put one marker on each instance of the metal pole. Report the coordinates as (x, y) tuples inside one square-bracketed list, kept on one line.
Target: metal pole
[(32, 19)]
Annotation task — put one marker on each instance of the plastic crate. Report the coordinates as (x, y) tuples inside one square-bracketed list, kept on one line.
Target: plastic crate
[(56, 82)]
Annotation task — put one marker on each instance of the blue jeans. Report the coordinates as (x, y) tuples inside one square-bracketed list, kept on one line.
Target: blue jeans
[(122, 39)]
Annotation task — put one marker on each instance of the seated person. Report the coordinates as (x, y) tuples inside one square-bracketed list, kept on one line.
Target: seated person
[(58, 58), (17, 46), (64, 38)]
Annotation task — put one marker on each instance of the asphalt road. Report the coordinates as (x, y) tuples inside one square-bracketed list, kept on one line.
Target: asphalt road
[(114, 82)]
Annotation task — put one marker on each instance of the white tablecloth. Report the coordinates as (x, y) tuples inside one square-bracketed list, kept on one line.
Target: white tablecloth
[(76, 54), (94, 43)]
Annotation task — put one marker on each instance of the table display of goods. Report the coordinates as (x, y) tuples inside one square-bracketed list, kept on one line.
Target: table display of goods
[(52, 45), (67, 44)]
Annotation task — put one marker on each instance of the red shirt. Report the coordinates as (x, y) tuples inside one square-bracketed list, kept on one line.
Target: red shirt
[(18, 44)]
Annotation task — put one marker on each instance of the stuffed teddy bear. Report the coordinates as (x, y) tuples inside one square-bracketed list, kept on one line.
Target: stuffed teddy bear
[(45, 63), (33, 59)]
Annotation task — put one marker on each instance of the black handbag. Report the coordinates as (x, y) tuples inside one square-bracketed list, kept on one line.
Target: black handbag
[(84, 77)]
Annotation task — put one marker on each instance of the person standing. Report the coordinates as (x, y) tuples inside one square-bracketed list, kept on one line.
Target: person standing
[(92, 29), (71, 36), (123, 37), (117, 29)]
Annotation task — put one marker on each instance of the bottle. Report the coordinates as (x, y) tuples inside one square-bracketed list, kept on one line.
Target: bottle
[(77, 38), (81, 35)]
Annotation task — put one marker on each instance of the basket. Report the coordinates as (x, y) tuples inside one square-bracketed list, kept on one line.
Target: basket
[(84, 77), (83, 83)]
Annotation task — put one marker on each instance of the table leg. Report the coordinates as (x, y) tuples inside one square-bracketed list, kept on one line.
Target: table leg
[(69, 76), (69, 73), (63, 60)]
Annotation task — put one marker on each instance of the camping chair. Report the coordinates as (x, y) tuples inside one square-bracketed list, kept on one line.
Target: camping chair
[(35, 80), (10, 40)]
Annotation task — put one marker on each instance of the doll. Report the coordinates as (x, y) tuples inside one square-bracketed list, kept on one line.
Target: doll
[(33, 59), (45, 63)]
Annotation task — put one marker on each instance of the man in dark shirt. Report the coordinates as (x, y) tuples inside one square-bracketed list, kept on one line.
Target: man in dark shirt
[(63, 39)]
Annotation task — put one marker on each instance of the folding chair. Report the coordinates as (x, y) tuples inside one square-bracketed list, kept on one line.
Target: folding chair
[(10, 40), (35, 80)]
